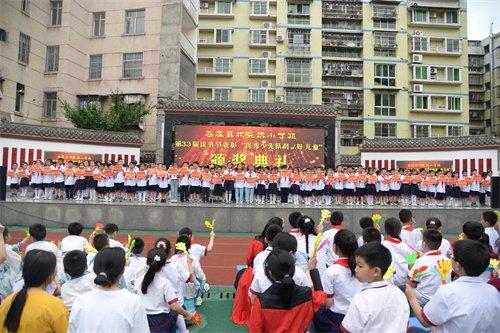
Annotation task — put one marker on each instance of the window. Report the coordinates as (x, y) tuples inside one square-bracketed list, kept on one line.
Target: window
[(222, 36), (384, 24), (451, 17), (298, 96), (95, 66), (98, 26), (258, 36), (55, 12), (223, 7), (52, 60), (298, 8), (222, 65), (4, 35), (23, 54), (257, 95), (452, 45), (454, 104), (25, 6), (420, 131), (420, 73), (420, 44), (134, 21), (258, 66), (132, 65), (421, 102), (455, 130), (19, 97), (420, 16), (220, 94), (299, 40), (385, 75), (385, 130), (453, 74), (259, 7), (50, 105), (298, 71), (385, 104)]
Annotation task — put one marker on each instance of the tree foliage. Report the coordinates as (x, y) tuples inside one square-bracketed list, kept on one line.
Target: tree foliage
[(119, 116)]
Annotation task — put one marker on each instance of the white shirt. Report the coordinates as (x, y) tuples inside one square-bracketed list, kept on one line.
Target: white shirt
[(493, 235), (467, 305), (114, 243), (445, 247), (108, 311), (261, 283), (260, 258), (45, 246), (178, 276), (378, 308), (159, 296), (197, 251), (341, 285), (411, 236), (73, 242), (361, 242), (135, 266), (190, 289), (399, 252), (326, 256), (73, 288), (302, 256)]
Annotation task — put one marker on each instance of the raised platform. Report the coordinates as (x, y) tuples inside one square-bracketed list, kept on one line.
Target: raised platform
[(229, 218)]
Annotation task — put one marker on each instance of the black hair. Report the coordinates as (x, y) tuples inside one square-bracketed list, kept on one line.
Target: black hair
[(109, 265), (405, 215), (38, 266), (346, 242), (371, 234), (285, 241), (38, 231), (100, 241), (183, 239), (433, 223), (392, 227), (110, 228), (163, 243), (138, 245), (337, 218), (271, 232), (475, 231), (306, 226), (375, 255), (75, 228), (75, 263), (293, 219), (275, 220), (186, 231), (156, 259), (366, 222), (280, 267), (5, 232), (490, 217), (472, 255), (432, 238)]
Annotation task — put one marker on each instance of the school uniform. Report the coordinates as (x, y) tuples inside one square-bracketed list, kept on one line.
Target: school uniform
[(475, 185), (423, 187), (261, 282), (330, 180), (284, 184), (399, 252), (295, 232), (77, 286), (183, 176), (379, 307), (48, 177), (338, 186), (431, 189), (361, 242), (24, 175), (59, 176), (101, 184), (69, 182), (361, 184), (163, 182), (406, 185), (464, 187), (228, 180), (191, 289), (261, 184), (445, 247), (14, 179), (119, 178), (493, 235), (110, 184), (395, 185), (73, 242), (410, 236), (350, 185), (467, 305), (383, 182), (296, 180), (371, 185), (218, 190), (141, 180), (153, 180), (178, 275), (239, 186), (303, 254), (308, 185), (273, 184), (80, 182), (130, 180), (195, 181), (441, 190), (319, 185), (36, 179), (173, 181), (325, 254), (250, 180)]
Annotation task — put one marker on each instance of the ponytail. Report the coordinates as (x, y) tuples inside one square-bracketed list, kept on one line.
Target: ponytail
[(306, 227), (109, 265), (347, 244), (280, 268), (156, 260), (13, 317), (163, 243)]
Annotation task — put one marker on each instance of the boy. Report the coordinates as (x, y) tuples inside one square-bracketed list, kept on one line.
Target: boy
[(137, 262), (489, 219), (80, 282), (409, 235), (399, 251), (38, 232), (111, 230), (379, 307), (371, 235), (74, 241), (326, 256), (293, 219), (100, 241), (422, 275), (364, 223), (468, 304)]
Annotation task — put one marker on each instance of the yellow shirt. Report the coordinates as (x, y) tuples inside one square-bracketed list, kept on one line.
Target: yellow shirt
[(42, 313)]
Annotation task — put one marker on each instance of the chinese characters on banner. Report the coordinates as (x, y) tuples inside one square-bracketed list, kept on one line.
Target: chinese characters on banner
[(69, 156), (428, 165), (252, 145)]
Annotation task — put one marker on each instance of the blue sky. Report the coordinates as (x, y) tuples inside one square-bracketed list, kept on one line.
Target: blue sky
[(480, 14)]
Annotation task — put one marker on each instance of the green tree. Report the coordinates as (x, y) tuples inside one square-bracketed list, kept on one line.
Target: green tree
[(119, 117)]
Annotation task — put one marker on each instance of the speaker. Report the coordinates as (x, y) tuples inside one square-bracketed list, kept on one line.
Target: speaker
[(3, 183), (495, 192)]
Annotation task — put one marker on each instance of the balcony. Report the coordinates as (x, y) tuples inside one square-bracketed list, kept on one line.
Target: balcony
[(211, 12), (348, 69), (341, 25), (297, 19), (435, 104), (344, 11), (269, 45), (476, 106), (214, 71), (438, 75), (436, 18), (190, 7), (385, 42), (345, 99), (339, 83), (444, 46), (299, 49), (342, 41), (211, 42), (476, 116), (385, 12), (268, 73)]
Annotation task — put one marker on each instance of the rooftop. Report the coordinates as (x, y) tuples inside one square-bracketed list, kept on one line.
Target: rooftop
[(433, 143)]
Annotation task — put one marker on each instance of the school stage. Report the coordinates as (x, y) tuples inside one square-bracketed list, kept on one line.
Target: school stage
[(229, 218)]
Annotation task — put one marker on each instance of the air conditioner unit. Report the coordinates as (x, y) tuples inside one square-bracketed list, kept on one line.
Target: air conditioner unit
[(418, 88), (417, 58), (265, 83), (434, 70), (267, 54), (280, 39), (132, 99), (280, 99), (418, 33), (204, 5), (268, 25)]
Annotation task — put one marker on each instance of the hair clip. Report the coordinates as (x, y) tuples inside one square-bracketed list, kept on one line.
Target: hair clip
[(157, 258), (307, 220), (103, 274), (432, 222), (161, 245)]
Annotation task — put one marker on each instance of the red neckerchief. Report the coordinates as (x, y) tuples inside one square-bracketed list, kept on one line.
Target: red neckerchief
[(433, 253), (408, 228), (342, 262), (338, 227), (393, 240)]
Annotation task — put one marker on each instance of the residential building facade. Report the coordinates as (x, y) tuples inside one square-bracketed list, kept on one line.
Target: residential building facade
[(391, 68), (82, 50)]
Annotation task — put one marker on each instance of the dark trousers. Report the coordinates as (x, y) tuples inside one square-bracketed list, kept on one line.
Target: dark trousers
[(184, 193), (284, 194), (327, 321), (69, 191), (482, 199), (205, 191)]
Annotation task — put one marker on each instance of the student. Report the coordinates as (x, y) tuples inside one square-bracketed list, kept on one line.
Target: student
[(38, 232), (158, 295), (24, 182), (141, 183), (37, 179), (409, 235), (119, 180), (108, 308), (80, 280), (293, 219), (10, 262), (261, 257), (74, 241), (326, 256), (173, 177), (195, 182), (339, 283), (379, 307), (371, 235), (197, 250), (297, 304), (14, 179), (206, 183), (399, 251), (136, 263), (364, 222), (111, 230), (423, 276), (305, 243), (99, 242), (435, 223), (489, 219), (468, 304)]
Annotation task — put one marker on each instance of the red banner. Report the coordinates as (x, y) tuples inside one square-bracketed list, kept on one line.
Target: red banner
[(252, 145), (74, 157), (428, 165)]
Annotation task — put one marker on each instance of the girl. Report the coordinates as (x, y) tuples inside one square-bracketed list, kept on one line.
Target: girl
[(24, 183), (415, 184), (308, 186), (440, 188), (131, 181), (406, 185), (153, 181), (448, 190), (163, 183), (305, 242), (48, 180), (101, 182), (284, 183), (239, 184), (206, 183), (349, 187), (32, 309), (361, 179), (69, 180), (217, 183), (195, 182), (394, 187), (80, 183), (119, 180), (91, 183), (228, 183), (475, 187), (338, 186), (339, 282), (173, 177), (14, 179), (110, 182), (487, 187), (464, 183), (273, 185), (142, 183), (423, 187), (183, 175), (58, 173), (384, 181), (371, 187), (455, 189), (431, 189), (158, 295), (37, 179), (319, 186), (108, 308), (330, 179)]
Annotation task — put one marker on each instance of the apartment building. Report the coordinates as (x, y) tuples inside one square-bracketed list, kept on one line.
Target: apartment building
[(484, 85), (82, 50), (392, 68)]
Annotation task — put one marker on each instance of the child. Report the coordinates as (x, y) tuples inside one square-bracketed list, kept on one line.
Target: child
[(307, 186), (423, 275), (431, 189), (69, 180), (305, 243), (361, 186), (441, 188), (80, 280), (173, 176), (111, 230), (24, 175), (153, 181), (371, 235), (489, 219), (273, 189), (260, 258), (119, 179), (328, 192), (228, 182), (99, 242), (250, 181), (464, 183), (38, 232), (349, 187), (131, 181), (379, 307), (14, 179), (197, 250), (206, 183), (326, 256), (371, 187), (136, 263), (10, 262), (339, 283), (74, 241), (364, 222), (338, 186), (319, 186), (48, 180), (435, 224), (37, 179), (195, 182), (406, 185), (409, 235), (108, 308), (110, 182), (293, 219), (163, 183), (284, 183), (142, 183), (466, 305), (218, 190)]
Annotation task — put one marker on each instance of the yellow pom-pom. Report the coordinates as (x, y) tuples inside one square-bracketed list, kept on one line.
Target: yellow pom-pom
[(494, 263), (181, 247), (376, 217), (389, 273), (444, 268), (210, 225)]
